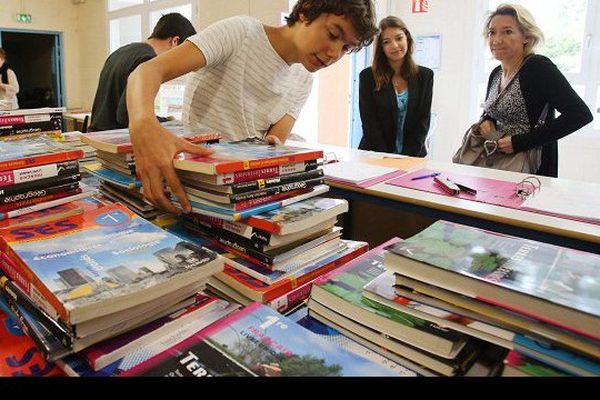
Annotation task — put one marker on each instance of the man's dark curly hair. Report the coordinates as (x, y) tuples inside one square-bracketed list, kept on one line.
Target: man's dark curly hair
[(361, 14)]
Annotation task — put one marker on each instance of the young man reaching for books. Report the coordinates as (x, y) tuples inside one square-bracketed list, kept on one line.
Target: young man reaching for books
[(248, 80)]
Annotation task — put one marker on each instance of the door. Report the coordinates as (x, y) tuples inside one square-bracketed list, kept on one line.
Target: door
[(36, 58)]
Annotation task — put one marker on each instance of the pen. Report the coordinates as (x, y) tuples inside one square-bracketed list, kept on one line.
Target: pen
[(417, 178)]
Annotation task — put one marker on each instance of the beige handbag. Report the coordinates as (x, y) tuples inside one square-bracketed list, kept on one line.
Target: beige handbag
[(483, 152)]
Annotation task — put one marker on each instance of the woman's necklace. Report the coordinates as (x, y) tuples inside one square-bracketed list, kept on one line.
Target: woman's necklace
[(399, 84), (504, 81)]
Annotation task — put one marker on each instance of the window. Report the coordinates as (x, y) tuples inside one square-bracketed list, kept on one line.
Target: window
[(125, 30), (133, 21), (119, 4)]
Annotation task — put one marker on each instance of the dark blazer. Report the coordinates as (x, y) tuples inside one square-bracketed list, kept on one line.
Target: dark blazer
[(541, 82), (379, 114)]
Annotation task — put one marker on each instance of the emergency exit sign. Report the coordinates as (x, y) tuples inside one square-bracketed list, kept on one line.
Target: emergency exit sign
[(25, 18)]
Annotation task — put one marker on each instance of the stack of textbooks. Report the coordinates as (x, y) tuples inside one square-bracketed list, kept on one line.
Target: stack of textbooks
[(274, 258), (73, 141), (37, 173), (32, 122), (115, 165), (77, 281), (247, 178), (426, 347), (538, 300)]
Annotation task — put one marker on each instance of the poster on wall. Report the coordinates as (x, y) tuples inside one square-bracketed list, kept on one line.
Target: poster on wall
[(428, 50), (420, 6)]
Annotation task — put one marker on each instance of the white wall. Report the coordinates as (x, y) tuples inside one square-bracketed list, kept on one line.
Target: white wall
[(453, 82)]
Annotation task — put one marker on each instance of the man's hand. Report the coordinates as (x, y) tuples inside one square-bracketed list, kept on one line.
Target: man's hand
[(154, 148), (273, 140)]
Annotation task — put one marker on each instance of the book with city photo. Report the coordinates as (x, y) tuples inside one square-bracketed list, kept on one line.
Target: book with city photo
[(101, 262)]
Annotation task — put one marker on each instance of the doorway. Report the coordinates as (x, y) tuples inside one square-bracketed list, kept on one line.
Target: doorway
[(35, 56)]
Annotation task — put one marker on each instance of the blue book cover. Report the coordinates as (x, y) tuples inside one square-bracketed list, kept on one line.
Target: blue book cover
[(112, 176), (103, 261), (258, 341)]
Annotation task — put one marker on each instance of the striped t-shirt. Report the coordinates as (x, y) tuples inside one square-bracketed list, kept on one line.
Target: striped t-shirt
[(245, 87)]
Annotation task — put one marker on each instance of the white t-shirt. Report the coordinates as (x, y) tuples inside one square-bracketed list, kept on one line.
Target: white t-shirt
[(245, 87), (8, 92)]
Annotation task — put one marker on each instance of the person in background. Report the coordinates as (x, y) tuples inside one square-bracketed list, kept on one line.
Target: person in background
[(109, 110), (248, 80), (395, 95), (9, 85), (512, 36)]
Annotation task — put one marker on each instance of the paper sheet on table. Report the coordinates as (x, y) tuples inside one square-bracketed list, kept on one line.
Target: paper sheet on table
[(582, 203), (405, 163), (359, 174)]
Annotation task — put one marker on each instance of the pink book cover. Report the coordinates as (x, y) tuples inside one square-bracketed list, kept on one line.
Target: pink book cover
[(489, 191)]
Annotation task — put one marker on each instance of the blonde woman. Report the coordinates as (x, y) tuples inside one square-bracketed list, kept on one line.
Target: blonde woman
[(395, 94), (538, 86)]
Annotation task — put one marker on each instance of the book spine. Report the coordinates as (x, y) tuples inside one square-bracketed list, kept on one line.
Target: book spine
[(18, 272), (34, 127), (291, 299), (6, 208), (29, 119), (45, 205), (261, 184), (31, 195), (235, 166), (40, 184), (288, 187), (15, 294), (252, 203), (263, 173), (26, 178), (42, 159)]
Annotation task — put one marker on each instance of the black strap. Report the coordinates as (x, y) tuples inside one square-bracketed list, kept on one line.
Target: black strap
[(4, 73)]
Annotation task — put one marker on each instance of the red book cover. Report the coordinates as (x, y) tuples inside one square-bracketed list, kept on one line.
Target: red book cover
[(34, 151), (19, 356), (234, 157)]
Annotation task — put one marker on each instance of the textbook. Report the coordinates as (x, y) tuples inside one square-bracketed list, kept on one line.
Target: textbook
[(341, 290), (332, 335), (77, 364), (260, 239), (118, 141), (257, 341), (253, 185), (250, 174), (57, 212), (381, 290), (493, 315), (32, 152), (101, 262), (234, 157), (32, 111), (299, 216), (231, 215), (225, 198), (549, 283), (19, 356), (203, 310), (281, 284), (83, 192)]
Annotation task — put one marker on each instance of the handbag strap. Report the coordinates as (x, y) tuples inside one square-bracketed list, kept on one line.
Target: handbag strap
[(542, 119)]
